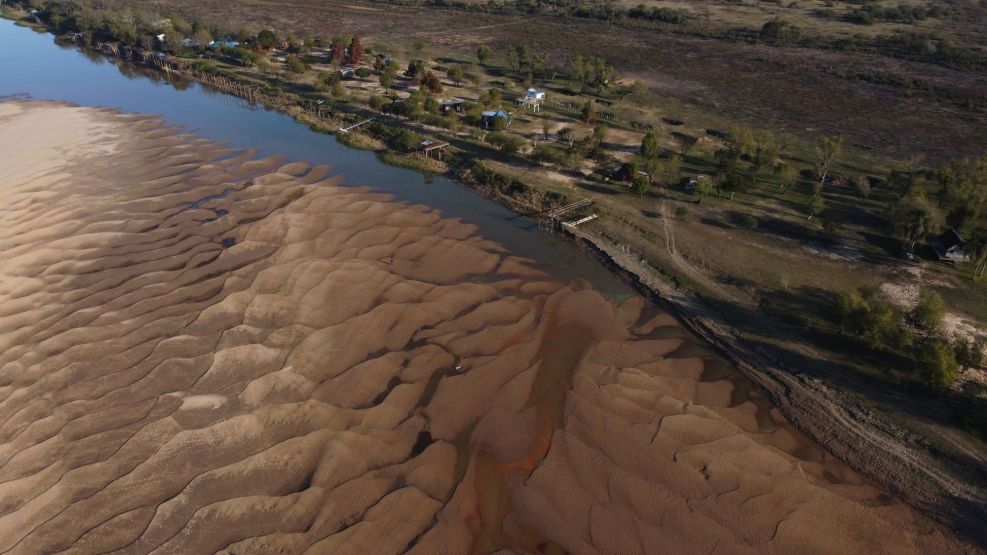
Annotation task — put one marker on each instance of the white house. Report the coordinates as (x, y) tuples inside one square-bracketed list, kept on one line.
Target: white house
[(532, 100)]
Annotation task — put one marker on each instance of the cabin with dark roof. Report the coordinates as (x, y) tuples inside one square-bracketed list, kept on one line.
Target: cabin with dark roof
[(451, 105), (950, 247), (490, 116)]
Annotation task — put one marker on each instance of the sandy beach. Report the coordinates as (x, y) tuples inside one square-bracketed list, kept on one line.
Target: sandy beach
[(203, 351)]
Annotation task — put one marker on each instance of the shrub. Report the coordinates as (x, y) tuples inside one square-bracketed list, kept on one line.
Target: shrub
[(748, 221), (549, 154), (363, 72), (508, 144), (295, 64), (377, 103)]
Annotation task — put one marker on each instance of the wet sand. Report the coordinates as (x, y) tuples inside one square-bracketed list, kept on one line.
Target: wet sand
[(201, 351)]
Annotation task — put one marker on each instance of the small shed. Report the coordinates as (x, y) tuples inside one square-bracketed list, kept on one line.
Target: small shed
[(160, 38), (451, 105), (694, 182), (346, 72), (950, 247), (490, 116)]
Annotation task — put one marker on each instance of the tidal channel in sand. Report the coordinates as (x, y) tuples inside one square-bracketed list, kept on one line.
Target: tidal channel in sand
[(203, 350)]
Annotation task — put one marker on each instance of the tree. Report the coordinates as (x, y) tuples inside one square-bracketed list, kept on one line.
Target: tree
[(546, 125), (673, 164), (508, 144), (567, 135), (455, 74), (355, 51), (338, 91), (380, 63), (686, 142), (377, 103), (483, 53), (387, 79), (295, 64), (337, 52), (416, 69), (418, 45), (589, 112), (862, 184), (928, 314), (327, 81), (431, 83), (649, 146), (910, 219), (938, 364), (763, 152), (652, 166), (827, 150), (963, 191), (970, 353), (775, 30), (787, 176), (704, 188), (201, 36), (491, 99), (815, 205), (641, 184), (431, 105)]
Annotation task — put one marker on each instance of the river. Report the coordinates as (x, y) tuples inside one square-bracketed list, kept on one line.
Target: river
[(34, 64)]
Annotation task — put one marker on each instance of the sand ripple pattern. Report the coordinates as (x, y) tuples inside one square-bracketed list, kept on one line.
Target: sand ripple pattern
[(202, 352)]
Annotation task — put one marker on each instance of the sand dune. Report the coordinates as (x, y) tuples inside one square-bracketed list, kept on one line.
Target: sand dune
[(201, 351)]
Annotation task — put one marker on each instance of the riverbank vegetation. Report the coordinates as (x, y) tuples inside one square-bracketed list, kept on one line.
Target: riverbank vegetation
[(812, 232)]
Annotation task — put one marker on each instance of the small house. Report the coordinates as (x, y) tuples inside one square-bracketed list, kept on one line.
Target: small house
[(451, 105), (532, 100), (950, 247), (188, 43), (224, 43), (694, 182), (347, 72), (490, 117)]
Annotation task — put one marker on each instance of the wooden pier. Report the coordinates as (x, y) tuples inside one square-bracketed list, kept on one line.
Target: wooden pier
[(355, 125), (553, 218)]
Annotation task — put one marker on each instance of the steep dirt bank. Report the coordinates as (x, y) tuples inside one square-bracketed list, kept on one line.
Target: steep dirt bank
[(846, 427)]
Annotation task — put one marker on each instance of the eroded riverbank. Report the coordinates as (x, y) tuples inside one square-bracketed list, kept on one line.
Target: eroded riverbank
[(301, 366)]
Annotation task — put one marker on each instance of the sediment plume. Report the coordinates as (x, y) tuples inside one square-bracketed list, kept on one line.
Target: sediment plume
[(202, 351)]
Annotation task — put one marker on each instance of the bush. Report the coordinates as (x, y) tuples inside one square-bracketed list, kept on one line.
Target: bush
[(549, 154), (508, 144), (295, 64), (929, 313), (377, 103), (938, 364), (681, 211), (747, 221), (363, 72)]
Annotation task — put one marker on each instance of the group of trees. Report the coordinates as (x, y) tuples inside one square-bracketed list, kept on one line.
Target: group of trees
[(868, 14), (918, 334), (592, 72), (961, 188)]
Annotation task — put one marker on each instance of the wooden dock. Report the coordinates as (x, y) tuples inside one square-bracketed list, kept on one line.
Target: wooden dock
[(433, 147), (355, 125), (553, 218)]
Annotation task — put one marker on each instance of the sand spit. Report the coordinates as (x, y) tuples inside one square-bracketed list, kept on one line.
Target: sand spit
[(203, 352)]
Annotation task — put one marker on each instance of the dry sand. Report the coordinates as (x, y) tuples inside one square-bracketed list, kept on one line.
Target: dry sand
[(201, 351)]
